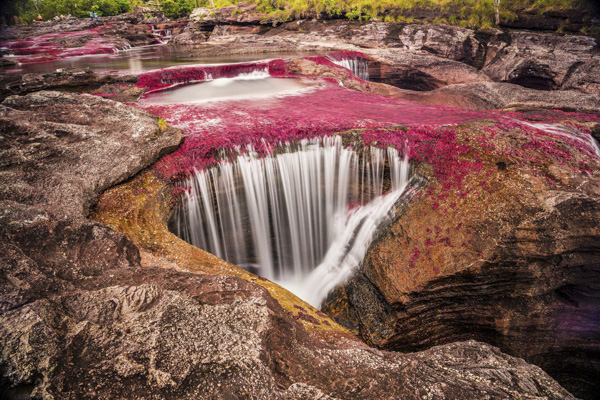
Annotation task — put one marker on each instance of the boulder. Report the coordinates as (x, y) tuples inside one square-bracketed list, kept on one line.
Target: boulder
[(484, 96), (65, 78), (445, 41), (78, 145), (128, 332)]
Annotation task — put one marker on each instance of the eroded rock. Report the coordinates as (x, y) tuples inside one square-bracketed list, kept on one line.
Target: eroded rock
[(68, 78), (548, 62), (152, 332), (509, 256), (484, 96), (77, 144), (80, 318)]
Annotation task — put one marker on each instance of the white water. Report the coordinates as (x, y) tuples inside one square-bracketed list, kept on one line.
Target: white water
[(163, 35), (289, 217), (584, 139), (358, 66)]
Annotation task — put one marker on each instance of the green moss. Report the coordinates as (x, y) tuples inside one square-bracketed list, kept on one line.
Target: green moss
[(593, 30), (162, 125)]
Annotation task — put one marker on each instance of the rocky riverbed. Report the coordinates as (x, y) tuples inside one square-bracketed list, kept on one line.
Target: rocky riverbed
[(483, 285)]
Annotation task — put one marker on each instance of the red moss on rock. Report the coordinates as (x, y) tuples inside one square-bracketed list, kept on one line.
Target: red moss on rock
[(347, 55), (169, 77), (427, 133), (47, 48)]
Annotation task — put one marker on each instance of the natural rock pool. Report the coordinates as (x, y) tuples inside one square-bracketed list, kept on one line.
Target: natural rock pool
[(253, 85), (141, 58)]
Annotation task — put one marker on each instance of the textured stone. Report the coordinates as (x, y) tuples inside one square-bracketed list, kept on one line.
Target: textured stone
[(444, 41), (71, 143), (547, 61), (67, 78), (156, 333), (484, 96), (510, 257), (79, 317)]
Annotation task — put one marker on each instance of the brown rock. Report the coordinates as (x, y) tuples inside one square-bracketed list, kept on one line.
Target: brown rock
[(74, 79), (77, 144), (512, 261), (445, 41), (79, 318), (548, 62), (483, 96)]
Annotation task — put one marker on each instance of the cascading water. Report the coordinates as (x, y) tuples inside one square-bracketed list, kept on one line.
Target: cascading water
[(302, 217), (162, 35), (585, 140), (358, 66)]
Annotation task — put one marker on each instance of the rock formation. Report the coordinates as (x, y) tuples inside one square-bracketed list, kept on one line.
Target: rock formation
[(508, 255), (501, 245), (424, 57), (80, 317), (70, 79)]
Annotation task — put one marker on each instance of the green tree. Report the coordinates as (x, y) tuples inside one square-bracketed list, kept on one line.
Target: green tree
[(174, 9)]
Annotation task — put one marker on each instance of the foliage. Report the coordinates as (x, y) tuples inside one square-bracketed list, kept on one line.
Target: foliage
[(470, 13), (48, 9), (174, 9)]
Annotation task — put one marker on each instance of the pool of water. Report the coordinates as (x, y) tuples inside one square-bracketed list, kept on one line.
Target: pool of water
[(255, 85), (141, 59)]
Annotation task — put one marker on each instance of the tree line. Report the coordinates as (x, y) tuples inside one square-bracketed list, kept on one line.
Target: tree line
[(28, 10)]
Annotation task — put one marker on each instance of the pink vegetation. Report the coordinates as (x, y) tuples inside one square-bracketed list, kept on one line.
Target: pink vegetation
[(428, 144), (219, 129), (327, 61), (45, 47), (223, 126), (168, 77)]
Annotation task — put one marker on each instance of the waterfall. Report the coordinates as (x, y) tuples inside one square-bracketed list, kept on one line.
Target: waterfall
[(358, 66), (585, 140), (162, 35), (262, 73), (301, 216)]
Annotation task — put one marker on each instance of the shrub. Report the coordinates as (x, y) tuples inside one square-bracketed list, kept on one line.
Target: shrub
[(174, 9)]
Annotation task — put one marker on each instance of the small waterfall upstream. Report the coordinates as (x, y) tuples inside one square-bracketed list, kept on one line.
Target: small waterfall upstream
[(302, 216), (162, 35), (358, 66), (585, 140)]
